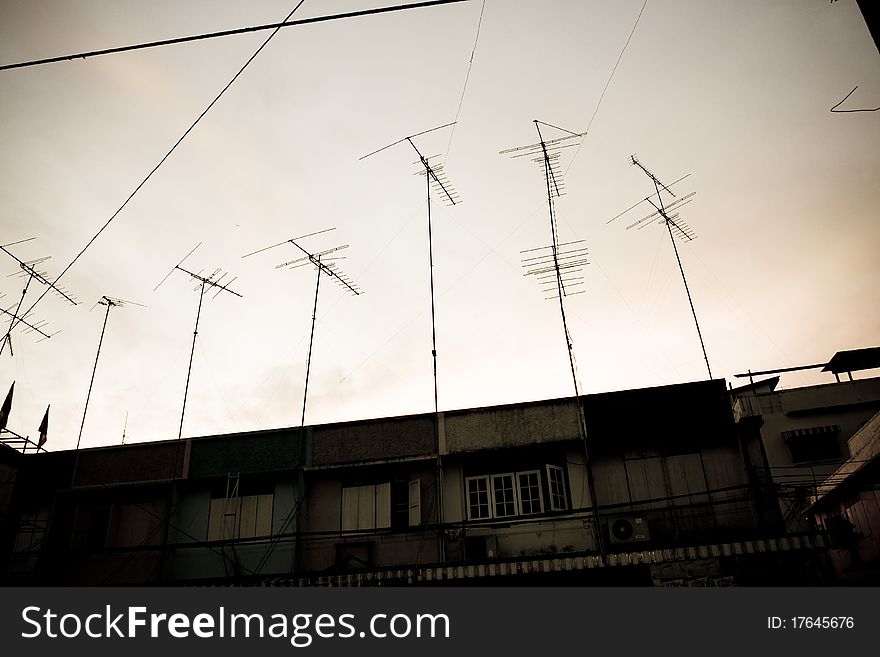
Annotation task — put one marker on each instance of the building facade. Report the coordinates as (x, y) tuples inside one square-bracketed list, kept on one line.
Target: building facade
[(656, 486)]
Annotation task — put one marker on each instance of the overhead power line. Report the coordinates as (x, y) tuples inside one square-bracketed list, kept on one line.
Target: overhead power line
[(275, 27), (225, 33), (165, 157), (608, 81)]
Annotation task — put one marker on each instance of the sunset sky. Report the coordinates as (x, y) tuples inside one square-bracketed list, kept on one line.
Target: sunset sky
[(784, 270)]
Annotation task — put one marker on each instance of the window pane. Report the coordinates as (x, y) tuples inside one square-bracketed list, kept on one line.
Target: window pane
[(558, 501), (478, 498), (530, 492), (503, 495), (415, 503)]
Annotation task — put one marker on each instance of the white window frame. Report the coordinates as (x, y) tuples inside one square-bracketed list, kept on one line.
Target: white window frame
[(514, 488), (414, 503), (489, 503), (519, 495), (563, 494)]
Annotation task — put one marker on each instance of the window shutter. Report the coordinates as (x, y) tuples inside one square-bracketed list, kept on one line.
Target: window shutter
[(366, 507), (415, 503), (383, 506), (215, 520), (349, 508), (248, 520), (264, 515)]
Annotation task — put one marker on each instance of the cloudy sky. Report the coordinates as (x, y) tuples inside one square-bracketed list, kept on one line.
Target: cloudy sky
[(784, 270)]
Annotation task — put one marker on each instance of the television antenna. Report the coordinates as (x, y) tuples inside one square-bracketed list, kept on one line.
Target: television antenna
[(436, 179), (34, 326), (109, 302), (30, 272), (557, 266), (204, 285), (325, 264), (668, 215)]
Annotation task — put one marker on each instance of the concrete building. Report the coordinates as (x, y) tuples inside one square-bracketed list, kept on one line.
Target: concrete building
[(670, 495), (804, 431), (848, 507)]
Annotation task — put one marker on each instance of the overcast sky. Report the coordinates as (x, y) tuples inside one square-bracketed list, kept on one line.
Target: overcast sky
[(784, 270)]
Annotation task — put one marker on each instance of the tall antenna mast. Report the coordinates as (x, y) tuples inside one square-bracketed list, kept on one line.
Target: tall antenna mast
[(110, 302), (325, 264), (205, 283), (436, 179), (556, 265), (556, 268), (31, 273), (667, 214)]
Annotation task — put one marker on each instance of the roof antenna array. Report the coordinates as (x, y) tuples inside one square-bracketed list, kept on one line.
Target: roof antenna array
[(30, 272), (109, 302), (37, 326), (437, 181), (556, 266), (666, 213), (325, 264), (212, 282)]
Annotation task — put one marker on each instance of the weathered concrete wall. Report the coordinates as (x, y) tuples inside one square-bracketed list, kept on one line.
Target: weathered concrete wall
[(260, 452), (373, 440), (131, 464), (511, 426)]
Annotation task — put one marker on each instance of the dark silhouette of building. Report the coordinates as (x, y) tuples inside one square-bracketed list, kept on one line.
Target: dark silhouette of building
[(498, 495)]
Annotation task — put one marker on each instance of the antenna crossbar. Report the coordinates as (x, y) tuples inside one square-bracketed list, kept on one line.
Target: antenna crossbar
[(325, 264), (28, 269), (675, 228), (204, 284)]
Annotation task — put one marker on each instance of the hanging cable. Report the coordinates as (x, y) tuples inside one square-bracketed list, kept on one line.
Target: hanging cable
[(224, 33)]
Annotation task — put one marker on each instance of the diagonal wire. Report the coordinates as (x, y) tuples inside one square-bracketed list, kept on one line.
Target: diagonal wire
[(608, 82), (224, 33), (834, 109), (466, 78), (165, 157)]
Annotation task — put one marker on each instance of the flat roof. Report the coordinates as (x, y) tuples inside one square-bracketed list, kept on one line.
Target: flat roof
[(854, 360)]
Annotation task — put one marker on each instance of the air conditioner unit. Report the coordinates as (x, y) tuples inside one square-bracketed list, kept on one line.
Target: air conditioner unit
[(628, 529)]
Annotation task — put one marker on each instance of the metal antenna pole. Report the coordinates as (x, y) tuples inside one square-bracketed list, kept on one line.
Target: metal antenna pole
[(331, 270), (94, 369), (42, 277), (662, 210), (212, 281), (686, 288), (8, 336), (561, 266), (311, 339), (433, 176), (431, 270), (554, 246), (191, 354)]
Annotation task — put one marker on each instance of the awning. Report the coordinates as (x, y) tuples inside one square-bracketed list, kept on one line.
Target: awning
[(507, 568), (811, 431)]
